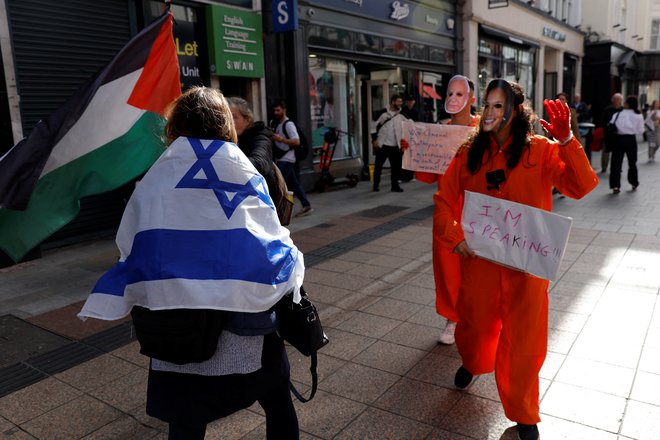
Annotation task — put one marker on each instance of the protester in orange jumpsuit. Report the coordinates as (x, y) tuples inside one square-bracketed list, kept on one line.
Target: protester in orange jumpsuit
[(504, 312), (446, 267)]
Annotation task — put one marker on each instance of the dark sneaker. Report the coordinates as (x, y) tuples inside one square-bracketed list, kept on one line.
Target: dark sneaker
[(463, 378), (528, 432), (307, 210), (376, 189), (398, 189)]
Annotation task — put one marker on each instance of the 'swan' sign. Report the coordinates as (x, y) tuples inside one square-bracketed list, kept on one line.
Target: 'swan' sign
[(516, 235)]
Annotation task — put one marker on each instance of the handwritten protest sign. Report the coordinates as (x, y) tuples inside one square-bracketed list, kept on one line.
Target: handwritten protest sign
[(515, 235), (431, 146)]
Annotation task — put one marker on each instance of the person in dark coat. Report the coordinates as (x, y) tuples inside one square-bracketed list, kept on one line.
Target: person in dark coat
[(255, 140)]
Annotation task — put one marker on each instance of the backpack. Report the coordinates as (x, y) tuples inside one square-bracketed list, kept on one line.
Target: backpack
[(302, 150)]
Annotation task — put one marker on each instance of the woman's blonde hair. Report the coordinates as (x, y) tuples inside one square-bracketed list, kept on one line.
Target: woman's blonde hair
[(200, 112)]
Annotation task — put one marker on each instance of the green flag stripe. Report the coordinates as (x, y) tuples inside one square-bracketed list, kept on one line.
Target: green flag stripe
[(56, 198)]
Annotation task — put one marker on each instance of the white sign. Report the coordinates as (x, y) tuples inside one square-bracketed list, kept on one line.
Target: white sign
[(431, 146), (400, 11), (519, 236)]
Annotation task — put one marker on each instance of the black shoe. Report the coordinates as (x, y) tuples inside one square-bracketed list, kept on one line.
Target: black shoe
[(463, 378), (376, 189), (635, 187), (528, 432), (397, 190)]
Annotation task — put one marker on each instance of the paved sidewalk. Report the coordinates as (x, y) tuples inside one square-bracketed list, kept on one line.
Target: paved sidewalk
[(383, 376)]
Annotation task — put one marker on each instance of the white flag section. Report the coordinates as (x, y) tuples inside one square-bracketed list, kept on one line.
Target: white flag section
[(200, 231), (516, 235), (431, 146)]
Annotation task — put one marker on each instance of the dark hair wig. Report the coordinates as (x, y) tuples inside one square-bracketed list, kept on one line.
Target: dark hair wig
[(521, 129)]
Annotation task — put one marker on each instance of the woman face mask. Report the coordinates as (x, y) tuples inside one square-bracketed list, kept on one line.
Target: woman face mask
[(458, 94)]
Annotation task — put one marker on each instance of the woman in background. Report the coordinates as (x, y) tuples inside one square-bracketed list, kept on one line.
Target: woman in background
[(629, 123)]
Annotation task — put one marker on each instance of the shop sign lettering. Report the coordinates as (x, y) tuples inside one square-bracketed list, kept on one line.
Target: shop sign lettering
[(236, 42), (515, 235), (355, 2), (399, 10), (555, 35)]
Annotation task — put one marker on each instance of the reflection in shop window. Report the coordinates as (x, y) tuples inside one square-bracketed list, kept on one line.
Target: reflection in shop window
[(418, 51), (367, 43), (330, 37), (395, 47), (332, 104), (441, 55)]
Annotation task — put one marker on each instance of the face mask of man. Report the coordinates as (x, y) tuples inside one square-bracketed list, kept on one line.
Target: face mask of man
[(458, 94)]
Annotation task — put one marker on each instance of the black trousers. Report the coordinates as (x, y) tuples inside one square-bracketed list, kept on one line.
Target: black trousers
[(626, 145), (281, 419), (394, 154)]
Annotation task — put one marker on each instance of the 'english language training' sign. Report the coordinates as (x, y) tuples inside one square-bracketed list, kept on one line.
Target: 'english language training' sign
[(432, 146), (515, 235)]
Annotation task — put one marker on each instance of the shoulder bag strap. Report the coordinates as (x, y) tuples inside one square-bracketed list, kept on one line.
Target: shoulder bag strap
[(315, 380)]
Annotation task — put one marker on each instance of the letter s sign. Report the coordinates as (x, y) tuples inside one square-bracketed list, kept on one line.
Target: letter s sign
[(285, 15)]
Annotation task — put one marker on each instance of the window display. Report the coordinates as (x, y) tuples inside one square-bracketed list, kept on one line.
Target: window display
[(333, 104)]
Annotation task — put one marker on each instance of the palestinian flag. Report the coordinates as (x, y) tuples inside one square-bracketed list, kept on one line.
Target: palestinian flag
[(105, 135)]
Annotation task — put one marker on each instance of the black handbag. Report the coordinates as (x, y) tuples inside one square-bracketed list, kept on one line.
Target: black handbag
[(300, 326), (611, 132), (180, 336)]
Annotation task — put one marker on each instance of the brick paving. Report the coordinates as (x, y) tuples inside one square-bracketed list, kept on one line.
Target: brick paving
[(383, 376)]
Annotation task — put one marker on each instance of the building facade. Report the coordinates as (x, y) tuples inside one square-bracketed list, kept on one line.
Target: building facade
[(622, 50), (348, 57), (50, 49), (541, 52)]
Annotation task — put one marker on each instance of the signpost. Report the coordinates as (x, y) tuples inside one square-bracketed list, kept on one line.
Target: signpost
[(285, 15)]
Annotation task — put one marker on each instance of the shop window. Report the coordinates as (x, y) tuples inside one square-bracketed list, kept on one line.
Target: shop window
[(418, 52), (439, 55), (499, 60), (333, 104), (655, 34), (330, 37), (396, 48), (366, 43)]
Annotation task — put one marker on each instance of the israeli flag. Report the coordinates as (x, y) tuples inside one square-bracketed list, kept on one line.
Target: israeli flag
[(200, 231)]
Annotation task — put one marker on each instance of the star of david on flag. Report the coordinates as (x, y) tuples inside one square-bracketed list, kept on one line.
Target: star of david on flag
[(178, 250), (230, 195)]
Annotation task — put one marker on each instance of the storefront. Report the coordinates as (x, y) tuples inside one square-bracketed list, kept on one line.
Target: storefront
[(50, 51), (347, 59), (542, 54)]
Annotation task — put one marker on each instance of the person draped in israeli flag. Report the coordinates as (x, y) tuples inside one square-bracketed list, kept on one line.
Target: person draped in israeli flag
[(200, 231)]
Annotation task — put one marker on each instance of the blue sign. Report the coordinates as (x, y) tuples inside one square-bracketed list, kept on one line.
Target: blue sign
[(400, 12), (285, 15)]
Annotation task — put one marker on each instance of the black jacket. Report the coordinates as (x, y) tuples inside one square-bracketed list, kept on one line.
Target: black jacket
[(257, 145)]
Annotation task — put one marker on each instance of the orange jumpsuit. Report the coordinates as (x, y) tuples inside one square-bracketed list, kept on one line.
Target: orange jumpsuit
[(504, 312), (446, 264)]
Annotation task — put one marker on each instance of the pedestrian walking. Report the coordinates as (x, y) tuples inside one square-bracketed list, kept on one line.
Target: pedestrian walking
[(200, 235), (629, 123), (286, 139), (605, 117), (254, 140), (386, 143), (503, 313), (652, 126)]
